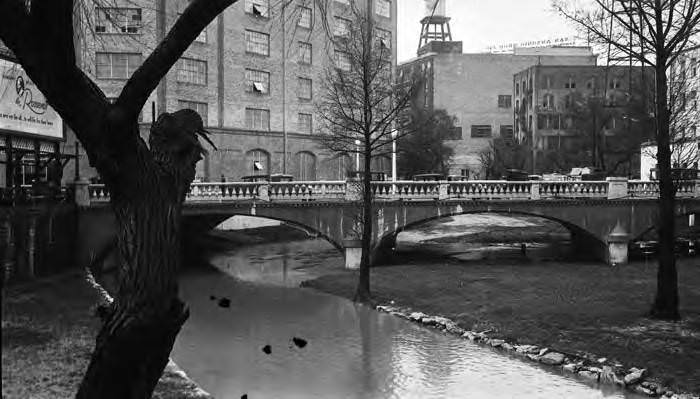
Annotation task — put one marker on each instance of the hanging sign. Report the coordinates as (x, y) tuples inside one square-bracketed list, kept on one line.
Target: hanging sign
[(23, 109)]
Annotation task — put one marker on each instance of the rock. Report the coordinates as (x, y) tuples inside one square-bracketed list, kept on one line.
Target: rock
[(455, 329), (526, 349), (267, 349), (644, 391), (589, 375), (533, 357), (470, 335), (496, 343), (417, 316), (634, 376), (608, 375), (571, 367), (602, 360), (507, 346), (543, 351), (552, 358), (299, 342)]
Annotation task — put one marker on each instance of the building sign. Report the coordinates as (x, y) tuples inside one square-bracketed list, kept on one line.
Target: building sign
[(23, 109), (556, 41)]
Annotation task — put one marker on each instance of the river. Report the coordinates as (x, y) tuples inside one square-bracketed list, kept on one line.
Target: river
[(352, 351)]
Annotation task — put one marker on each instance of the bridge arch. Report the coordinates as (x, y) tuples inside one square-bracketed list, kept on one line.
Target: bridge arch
[(581, 238), (205, 223)]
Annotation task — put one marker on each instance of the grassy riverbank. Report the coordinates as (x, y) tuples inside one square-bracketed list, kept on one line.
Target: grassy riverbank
[(48, 334), (569, 307)]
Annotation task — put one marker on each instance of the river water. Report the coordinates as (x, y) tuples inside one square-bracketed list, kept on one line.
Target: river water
[(352, 351)]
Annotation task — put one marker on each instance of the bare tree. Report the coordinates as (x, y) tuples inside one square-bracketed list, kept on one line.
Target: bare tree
[(362, 110), (148, 182), (654, 33)]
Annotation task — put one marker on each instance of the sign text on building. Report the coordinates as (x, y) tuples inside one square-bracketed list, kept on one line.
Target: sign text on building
[(23, 108)]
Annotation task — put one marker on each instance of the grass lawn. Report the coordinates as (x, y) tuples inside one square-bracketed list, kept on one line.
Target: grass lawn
[(48, 334), (570, 307)]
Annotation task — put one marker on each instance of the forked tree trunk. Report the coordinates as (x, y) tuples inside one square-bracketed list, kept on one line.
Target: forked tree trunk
[(666, 302), (134, 343)]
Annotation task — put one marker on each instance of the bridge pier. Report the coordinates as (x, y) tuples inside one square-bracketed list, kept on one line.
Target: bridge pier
[(618, 248), (353, 253)]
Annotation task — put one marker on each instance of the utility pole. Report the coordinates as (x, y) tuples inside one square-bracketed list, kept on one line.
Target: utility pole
[(284, 91)]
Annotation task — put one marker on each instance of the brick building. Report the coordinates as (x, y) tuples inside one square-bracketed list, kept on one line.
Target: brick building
[(546, 98), (253, 75), (477, 89)]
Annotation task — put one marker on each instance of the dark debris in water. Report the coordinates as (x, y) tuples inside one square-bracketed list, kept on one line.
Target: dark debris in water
[(224, 302), (267, 349), (245, 396), (212, 298), (299, 342)]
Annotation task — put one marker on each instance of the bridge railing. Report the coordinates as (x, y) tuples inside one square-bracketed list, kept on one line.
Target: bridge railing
[(613, 188), (307, 190)]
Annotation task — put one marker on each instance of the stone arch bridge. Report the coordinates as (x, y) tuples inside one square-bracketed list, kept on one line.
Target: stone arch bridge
[(603, 217)]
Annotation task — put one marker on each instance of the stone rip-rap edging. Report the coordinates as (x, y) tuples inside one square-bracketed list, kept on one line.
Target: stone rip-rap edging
[(179, 385), (590, 367)]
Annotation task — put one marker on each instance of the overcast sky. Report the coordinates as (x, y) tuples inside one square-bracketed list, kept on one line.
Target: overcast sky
[(481, 23)]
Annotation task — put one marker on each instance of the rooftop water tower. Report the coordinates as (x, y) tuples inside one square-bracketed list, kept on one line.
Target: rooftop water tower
[(435, 24)]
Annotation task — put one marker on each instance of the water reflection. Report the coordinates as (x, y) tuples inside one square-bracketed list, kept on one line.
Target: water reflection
[(352, 351)]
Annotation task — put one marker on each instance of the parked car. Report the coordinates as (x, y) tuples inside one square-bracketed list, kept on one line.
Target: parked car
[(683, 246), (358, 174), (429, 177), (516, 175)]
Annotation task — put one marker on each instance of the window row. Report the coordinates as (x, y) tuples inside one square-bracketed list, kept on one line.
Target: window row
[(255, 118)]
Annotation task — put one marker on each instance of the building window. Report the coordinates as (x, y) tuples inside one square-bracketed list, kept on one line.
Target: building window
[(305, 166), (481, 131), (570, 83), (305, 124), (116, 65), (507, 132), (192, 71), (548, 101), (693, 67), (305, 89), (259, 8), (257, 42), (201, 108), (258, 162), (118, 20), (383, 8), (505, 101), (347, 2), (342, 26), (384, 37), (257, 119), (305, 17), (454, 134), (547, 82), (257, 81), (342, 60), (305, 53), (615, 83), (590, 84), (517, 88)]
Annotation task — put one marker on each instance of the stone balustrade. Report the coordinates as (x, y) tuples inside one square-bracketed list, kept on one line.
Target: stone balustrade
[(612, 188)]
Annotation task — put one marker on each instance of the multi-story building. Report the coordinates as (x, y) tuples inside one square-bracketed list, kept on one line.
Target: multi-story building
[(477, 90), (253, 74), (549, 99)]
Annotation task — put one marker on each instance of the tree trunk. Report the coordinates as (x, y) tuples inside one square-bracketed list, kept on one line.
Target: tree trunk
[(363, 292), (134, 343), (666, 302)]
